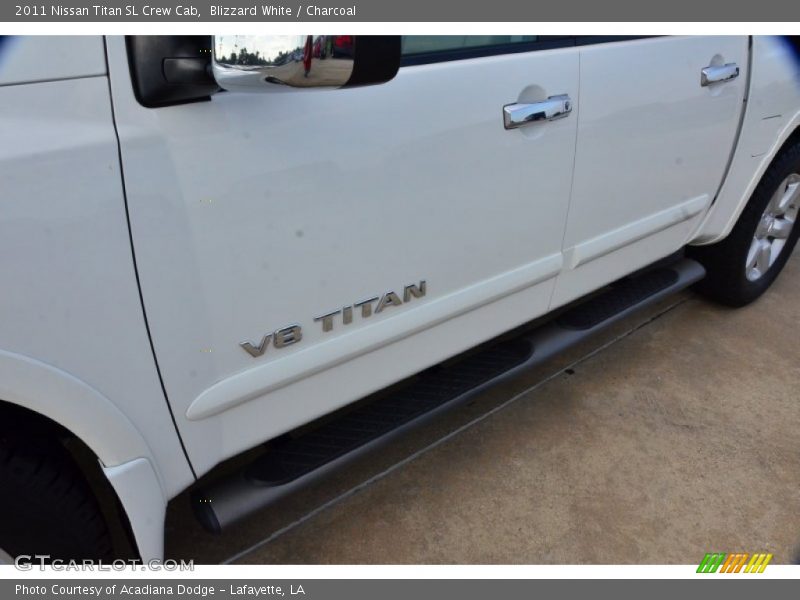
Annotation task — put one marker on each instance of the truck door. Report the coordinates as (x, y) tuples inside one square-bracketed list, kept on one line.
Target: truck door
[(657, 124), (297, 251)]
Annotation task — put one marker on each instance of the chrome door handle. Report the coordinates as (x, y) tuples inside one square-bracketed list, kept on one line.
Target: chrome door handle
[(555, 107), (719, 74)]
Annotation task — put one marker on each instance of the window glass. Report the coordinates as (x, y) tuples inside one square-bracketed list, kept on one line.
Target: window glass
[(426, 44)]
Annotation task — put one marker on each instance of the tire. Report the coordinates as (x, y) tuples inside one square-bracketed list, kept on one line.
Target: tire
[(46, 506), (739, 269)]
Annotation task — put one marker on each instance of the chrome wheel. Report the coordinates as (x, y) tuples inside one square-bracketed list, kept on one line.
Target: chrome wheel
[(774, 228), (5, 558)]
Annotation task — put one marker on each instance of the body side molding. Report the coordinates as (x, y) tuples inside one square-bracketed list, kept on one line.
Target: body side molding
[(284, 371)]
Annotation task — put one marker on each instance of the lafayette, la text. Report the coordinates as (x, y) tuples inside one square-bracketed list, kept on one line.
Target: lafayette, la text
[(152, 589)]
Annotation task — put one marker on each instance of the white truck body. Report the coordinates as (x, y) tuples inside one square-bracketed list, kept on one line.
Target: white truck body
[(143, 246)]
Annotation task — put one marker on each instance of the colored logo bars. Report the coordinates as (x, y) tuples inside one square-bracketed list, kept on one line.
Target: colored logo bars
[(734, 563)]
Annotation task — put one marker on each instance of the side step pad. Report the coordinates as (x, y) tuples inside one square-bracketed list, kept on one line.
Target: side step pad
[(433, 388), (294, 462), (622, 295)]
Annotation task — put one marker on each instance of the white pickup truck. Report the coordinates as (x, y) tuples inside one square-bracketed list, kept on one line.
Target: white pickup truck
[(205, 255)]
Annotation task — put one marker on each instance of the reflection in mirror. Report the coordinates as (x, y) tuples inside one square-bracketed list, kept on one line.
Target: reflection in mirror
[(255, 62)]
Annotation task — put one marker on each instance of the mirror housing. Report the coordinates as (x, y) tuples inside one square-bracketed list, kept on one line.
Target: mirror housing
[(286, 62), (170, 69)]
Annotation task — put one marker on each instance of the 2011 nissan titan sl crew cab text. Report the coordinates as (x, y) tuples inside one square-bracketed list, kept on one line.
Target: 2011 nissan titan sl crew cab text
[(204, 254)]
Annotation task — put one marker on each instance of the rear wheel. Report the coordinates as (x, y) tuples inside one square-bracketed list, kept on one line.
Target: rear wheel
[(742, 266)]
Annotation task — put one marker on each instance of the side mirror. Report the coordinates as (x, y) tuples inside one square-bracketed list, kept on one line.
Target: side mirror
[(281, 62)]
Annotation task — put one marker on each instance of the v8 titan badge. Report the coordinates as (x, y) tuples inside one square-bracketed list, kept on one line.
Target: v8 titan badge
[(291, 334)]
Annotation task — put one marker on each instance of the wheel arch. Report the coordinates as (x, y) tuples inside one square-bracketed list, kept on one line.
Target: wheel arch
[(49, 400)]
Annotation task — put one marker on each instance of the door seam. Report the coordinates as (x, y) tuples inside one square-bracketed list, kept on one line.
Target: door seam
[(135, 266)]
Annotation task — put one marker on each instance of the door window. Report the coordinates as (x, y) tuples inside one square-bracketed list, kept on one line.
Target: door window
[(421, 49)]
